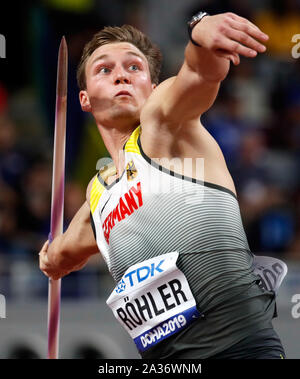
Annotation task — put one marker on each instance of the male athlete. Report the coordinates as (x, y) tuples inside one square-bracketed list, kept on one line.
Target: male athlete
[(170, 232)]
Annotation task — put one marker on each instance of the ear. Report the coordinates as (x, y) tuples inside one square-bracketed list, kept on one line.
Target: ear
[(85, 101)]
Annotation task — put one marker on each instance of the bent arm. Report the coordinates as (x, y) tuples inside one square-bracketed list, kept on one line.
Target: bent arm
[(222, 38), (195, 88), (71, 250)]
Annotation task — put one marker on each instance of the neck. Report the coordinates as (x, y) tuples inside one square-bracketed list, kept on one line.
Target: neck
[(114, 138)]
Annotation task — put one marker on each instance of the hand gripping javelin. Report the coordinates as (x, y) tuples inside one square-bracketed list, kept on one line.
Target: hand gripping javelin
[(57, 200)]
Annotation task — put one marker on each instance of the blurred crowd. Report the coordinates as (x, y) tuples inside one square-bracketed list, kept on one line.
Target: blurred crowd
[(256, 118)]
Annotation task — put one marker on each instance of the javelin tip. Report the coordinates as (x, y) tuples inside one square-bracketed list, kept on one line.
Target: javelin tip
[(62, 68), (63, 42)]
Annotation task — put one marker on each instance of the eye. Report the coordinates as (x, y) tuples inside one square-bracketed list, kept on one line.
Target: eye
[(134, 67), (104, 70)]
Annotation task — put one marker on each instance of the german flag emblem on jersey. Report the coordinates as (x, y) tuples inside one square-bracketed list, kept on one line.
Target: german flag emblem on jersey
[(131, 171)]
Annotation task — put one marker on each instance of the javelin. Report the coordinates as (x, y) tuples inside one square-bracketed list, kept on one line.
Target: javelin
[(57, 200)]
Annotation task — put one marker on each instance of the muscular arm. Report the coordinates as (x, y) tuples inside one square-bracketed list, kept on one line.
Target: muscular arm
[(71, 250), (222, 38)]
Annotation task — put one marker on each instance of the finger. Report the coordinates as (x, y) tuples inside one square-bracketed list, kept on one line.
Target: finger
[(55, 277), (241, 19), (233, 57), (44, 257), (244, 21), (250, 29), (44, 248), (236, 47), (43, 265), (45, 272), (246, 40), (58, 275)]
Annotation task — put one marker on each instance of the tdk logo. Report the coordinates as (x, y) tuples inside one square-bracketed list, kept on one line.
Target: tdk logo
[(139, 275), (121, 286)]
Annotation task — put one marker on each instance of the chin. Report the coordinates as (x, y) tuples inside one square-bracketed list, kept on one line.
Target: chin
[(127, 113)]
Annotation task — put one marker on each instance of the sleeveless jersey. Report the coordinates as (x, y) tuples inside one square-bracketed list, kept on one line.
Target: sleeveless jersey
[(150, 211)]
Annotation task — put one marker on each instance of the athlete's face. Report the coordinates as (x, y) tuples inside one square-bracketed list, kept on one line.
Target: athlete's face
[(118, 82)]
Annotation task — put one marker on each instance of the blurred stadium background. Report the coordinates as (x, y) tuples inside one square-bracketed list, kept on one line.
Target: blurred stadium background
[(256, 121)]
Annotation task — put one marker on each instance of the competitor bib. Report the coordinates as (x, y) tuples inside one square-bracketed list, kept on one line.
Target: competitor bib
[(153, 300), (271, 272)]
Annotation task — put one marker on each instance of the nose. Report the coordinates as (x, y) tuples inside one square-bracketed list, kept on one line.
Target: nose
[(121, 77), (122, 80)]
